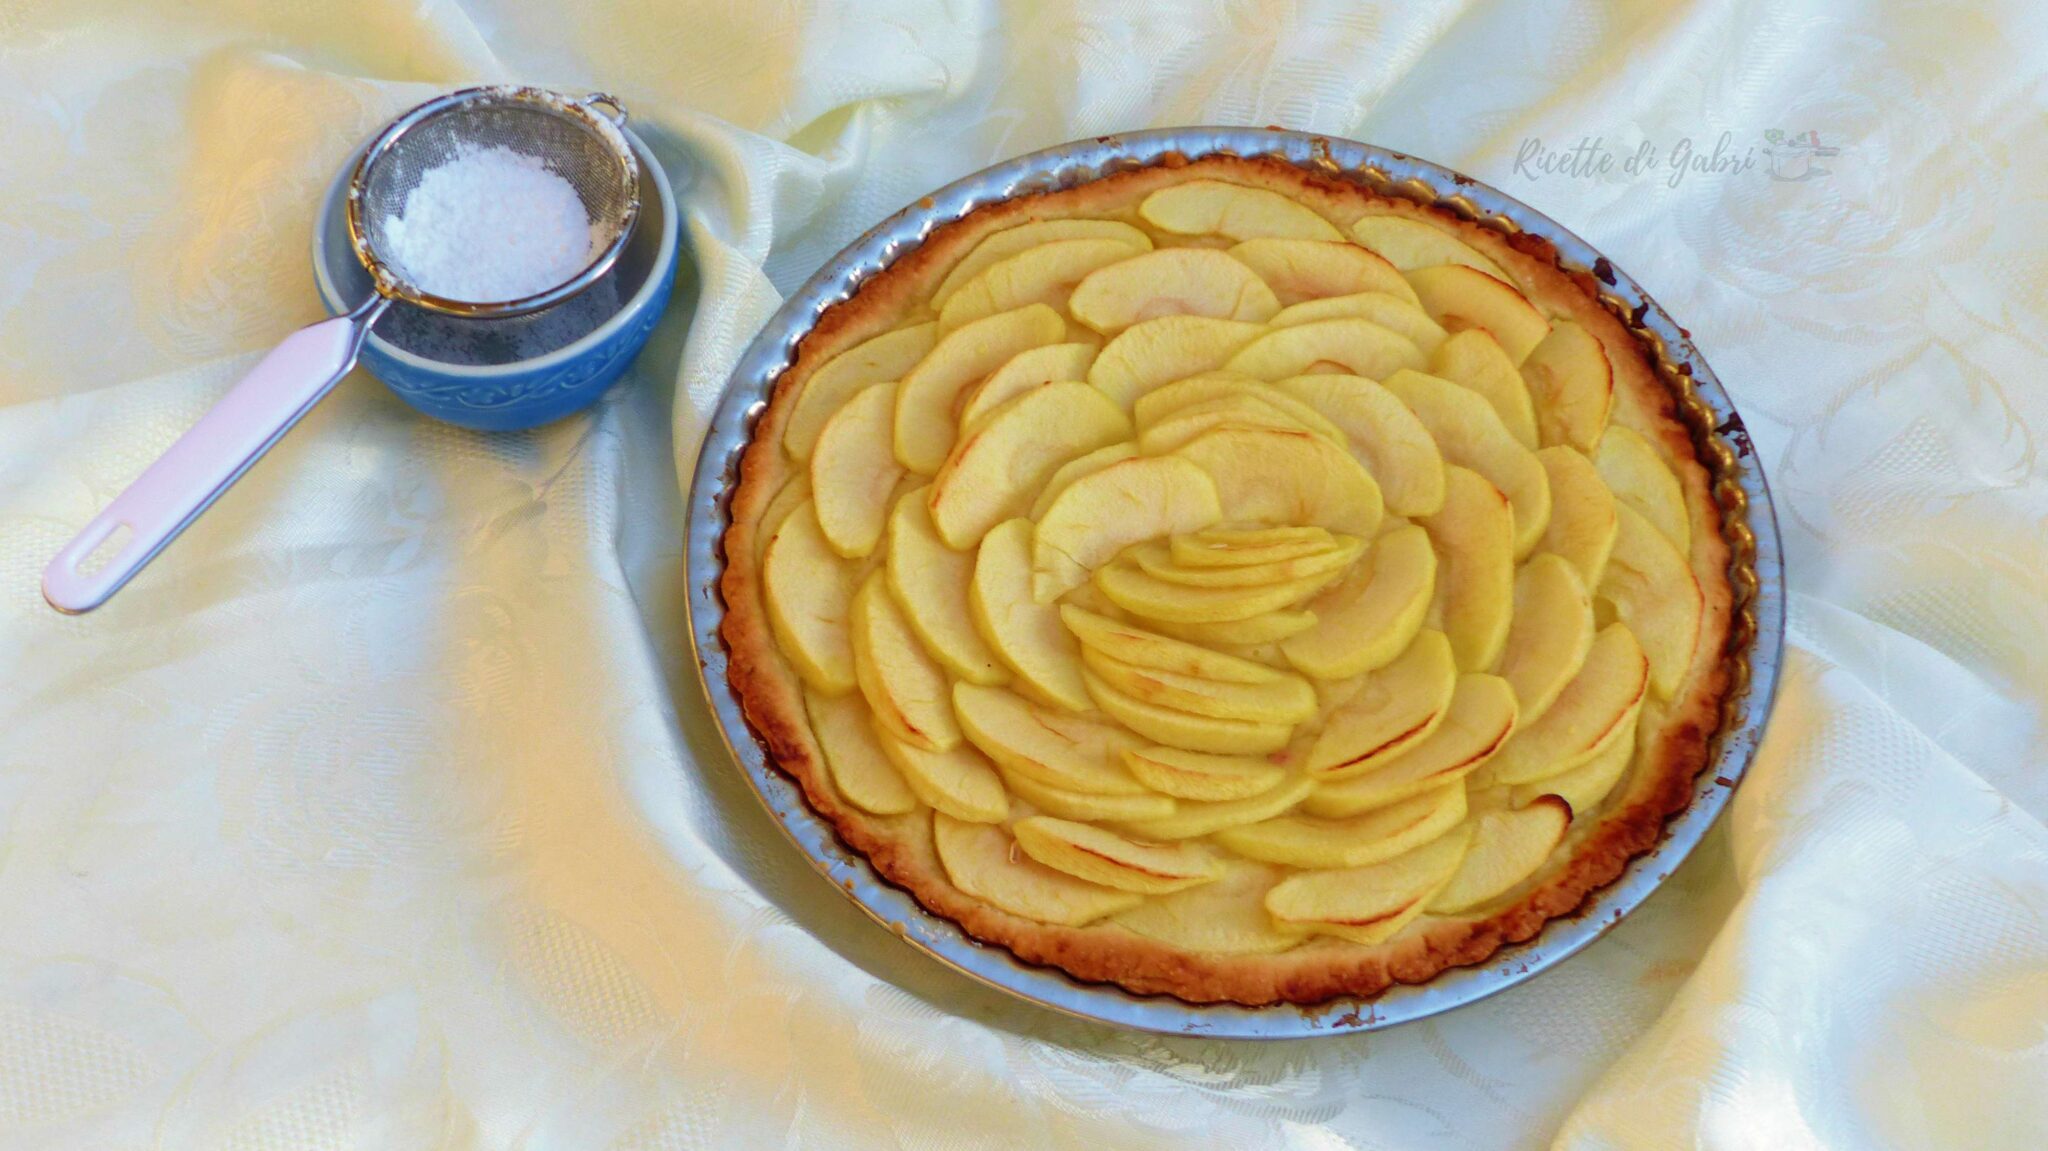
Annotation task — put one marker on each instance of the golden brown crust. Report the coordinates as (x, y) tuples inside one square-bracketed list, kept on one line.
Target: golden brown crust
[(900, 848)]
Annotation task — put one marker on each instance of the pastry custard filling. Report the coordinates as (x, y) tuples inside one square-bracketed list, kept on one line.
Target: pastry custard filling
[(1227, 575)]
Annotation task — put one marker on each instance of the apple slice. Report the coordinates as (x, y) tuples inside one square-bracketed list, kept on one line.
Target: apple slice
[(1551, 633), (1596, 708), (926, 421), (792, 495), (1288, 699), (1026, 635), (1285, 477), (1248, 547), (1507, 848), (1272, 627), (1480, 718), (1195, 819), (1342, 346), (1474, 536), (1074, 469), (1196, 392), (1393, 444), (1099, 855), (853, 474), (880, 360), (1140, 648), (1584, 786), (1171, 282), (1023, 372), (1653, 591), (1373, 614), (1410, 244), (1372, 904), (1101, 514), (1389, 311), (1235, 413), (1184, 730), (1392, 709), (860, 769), (930, 581), (1582, 519), (1573, 386), (901, 681), (1472, 436), (808, 591), (1310, 269), (1459, 297), (1055, 748), (1356, 841), (994, 472), (1473, 359), (1141, 593), (958, 781), (1233, 211), (1046, 274), (1198, 776), (1156, 558), (1226, 917), (1084, 806), (1639, 477), (1154, 352), (982, 861), (999, 246)]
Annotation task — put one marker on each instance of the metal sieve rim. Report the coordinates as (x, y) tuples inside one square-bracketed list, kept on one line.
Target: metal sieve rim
[(386, 280)]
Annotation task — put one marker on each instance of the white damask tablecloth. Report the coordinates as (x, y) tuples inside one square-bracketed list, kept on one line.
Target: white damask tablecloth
[(383, 810)]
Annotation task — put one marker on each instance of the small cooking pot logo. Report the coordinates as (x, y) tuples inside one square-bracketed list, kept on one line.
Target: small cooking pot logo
[(1792, 157)]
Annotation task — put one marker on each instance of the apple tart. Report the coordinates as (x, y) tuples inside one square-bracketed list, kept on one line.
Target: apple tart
[(1225, 581)]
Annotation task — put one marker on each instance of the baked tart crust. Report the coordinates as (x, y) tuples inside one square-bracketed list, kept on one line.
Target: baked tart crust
[(1674, 730)]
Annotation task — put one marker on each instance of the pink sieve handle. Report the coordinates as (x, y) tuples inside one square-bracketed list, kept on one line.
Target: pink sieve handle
[(194, 471)]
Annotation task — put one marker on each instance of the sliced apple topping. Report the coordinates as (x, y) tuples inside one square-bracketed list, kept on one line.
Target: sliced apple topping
[(860, 768), (1101, 514), (1308, 269), (1595, 709), (883, 359), (1389, 711), (808, 590), (1479, 720), (1551, 633), (1086, 805), (1285, 699), (1410, 244), (1585, 786), (1572, 385), (1508, 847), (1582, 519), (984, 862), (999, 246), (1186, 730), (1172, 282), (1024, 371), (1342, 347), (1046, 274), (1248, 547), (1386, 309), (930, 397), (994, 472), (1157, 559), (1265, 475), (1459, 297), (1056, 748), (1640, 478), (959, 781), (1233, 211), (1225, 917), (1271, 627), (1395, 447), (1369, 904), (1371, 616), (1190, 820), (1473, 359), (1200, 776), (1474, 536), (1154, 352), (1026, 635), (902, 682), (1653, 591), (1354, 841), (1097, 855), (1217, 391), (1471, 436), (1143, 594), (853, 474), (931, 583)]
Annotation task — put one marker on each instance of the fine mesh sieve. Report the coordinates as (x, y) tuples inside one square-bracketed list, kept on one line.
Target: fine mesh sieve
[(578, 140)]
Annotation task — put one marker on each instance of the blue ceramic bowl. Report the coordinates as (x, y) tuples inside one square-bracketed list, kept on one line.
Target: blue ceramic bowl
[(494, 388)]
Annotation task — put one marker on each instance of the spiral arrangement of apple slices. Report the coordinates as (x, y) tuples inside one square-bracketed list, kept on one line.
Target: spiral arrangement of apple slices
[(1227, 577)]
